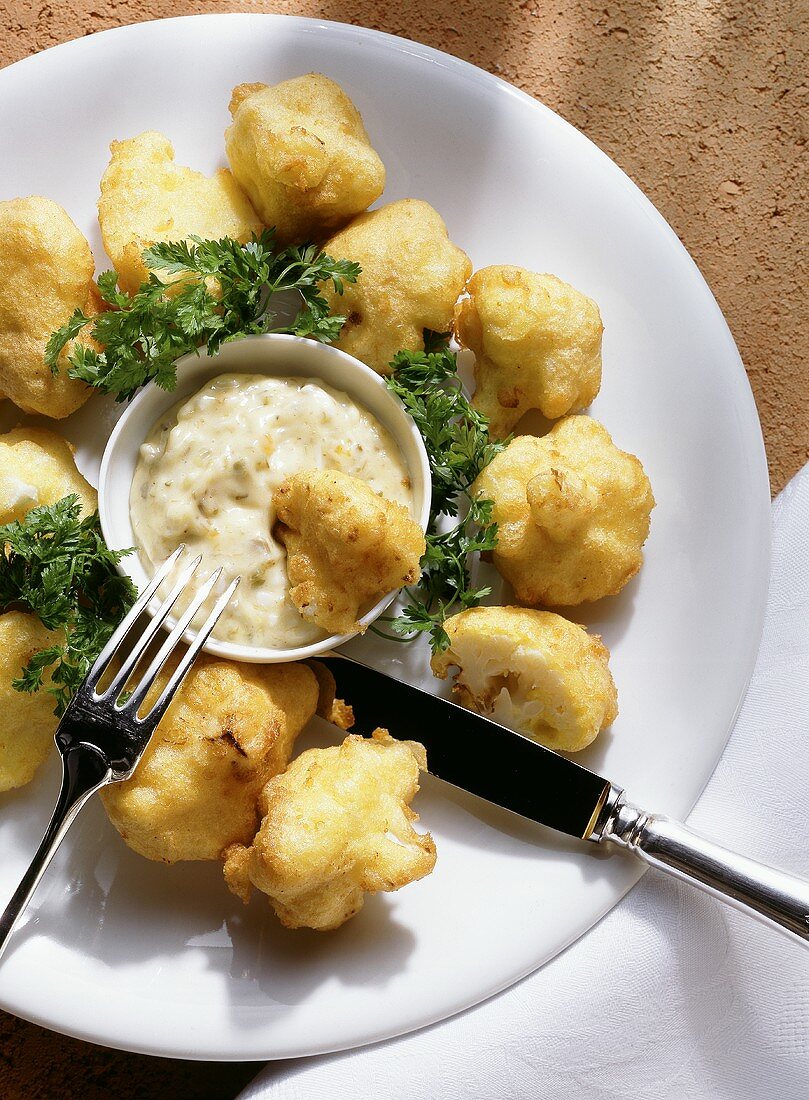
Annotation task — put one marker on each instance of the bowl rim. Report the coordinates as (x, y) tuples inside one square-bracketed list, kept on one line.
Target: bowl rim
[(404, 428)]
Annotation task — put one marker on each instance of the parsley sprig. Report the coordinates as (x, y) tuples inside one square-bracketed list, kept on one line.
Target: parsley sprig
[(199, 293), (455, 434), (56, 565), (456, 437)]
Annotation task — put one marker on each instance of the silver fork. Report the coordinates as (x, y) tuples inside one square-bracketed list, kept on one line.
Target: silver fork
[(101, 736)]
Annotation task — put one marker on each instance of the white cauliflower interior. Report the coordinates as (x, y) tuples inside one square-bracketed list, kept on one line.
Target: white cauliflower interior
[(532, 671)]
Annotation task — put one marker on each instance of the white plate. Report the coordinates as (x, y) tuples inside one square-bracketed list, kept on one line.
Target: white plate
[(163, 960)]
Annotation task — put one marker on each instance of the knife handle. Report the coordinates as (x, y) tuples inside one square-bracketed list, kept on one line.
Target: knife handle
[(776, 897)]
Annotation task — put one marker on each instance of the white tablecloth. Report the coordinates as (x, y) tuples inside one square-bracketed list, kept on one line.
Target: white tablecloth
[(672, 996)]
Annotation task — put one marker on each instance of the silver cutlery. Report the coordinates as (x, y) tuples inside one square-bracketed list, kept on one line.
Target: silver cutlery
[(102, 737), (102, 734), (515, 772)]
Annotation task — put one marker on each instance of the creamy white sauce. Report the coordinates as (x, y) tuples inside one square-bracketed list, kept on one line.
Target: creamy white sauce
[(206, 475)]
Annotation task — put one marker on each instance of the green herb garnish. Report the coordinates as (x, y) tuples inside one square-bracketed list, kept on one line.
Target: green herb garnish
[(202, 293), (56, 565), (199, 293), (455, 434), (456, 437)]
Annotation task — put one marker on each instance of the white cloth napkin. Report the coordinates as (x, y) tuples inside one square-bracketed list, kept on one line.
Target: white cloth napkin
[(672, 996)]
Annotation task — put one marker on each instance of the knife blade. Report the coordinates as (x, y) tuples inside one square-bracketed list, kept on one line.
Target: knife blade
[(472, 752), (512, 771)]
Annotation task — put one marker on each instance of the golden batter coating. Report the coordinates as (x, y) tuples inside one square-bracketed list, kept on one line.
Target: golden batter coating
[(334, 710), (37, 467), (572, 513), (336, 826), (300, 151), (532, 671), (46, 273), (28, 722), (412, 276), (346, 545), (229, 729), (146, 198), (537, 345)]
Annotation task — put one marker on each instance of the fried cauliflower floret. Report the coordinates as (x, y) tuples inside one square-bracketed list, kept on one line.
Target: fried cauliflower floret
[(532, 671), (412, 275), (336, 825), (537, 345), (46, 273), (28, 721), (37, 467), (334, 710), (146, 197), (572, 513), (300, 151), (229, 729), (346, 545)]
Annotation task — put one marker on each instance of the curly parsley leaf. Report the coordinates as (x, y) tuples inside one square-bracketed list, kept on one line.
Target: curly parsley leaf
[(56, 565), (436, 341), (455, 434), (456, 437), (58, 341), (200, 293)]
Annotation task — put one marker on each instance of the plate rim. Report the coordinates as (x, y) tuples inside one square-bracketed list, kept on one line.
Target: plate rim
[(759, 473)]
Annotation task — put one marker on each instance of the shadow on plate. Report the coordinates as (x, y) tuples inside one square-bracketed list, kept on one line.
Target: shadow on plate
[(273, 964), (107, 902)]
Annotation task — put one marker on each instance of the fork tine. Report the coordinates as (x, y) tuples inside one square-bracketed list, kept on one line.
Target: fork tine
[(188, 658), (139, 693), (101, 744), (139, 606), (157, 620)]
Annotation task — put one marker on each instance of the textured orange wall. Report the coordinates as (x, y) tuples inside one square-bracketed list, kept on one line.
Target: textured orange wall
[(702, 102)]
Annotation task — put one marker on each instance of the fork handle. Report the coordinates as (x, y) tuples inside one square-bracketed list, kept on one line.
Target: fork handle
[(84, 770), (778, 898)]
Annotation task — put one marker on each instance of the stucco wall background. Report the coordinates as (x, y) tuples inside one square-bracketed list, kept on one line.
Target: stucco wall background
[(704, 104)]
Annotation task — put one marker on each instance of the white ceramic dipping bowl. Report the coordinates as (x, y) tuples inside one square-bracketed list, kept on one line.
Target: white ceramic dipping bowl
[(275, 356)]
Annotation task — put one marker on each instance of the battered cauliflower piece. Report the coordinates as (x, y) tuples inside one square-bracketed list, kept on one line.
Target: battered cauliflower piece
[(300, 151), (346, 545), (337, 825), (532, 671), (334, 710), (572, 513), (229, 729), (146, 197), (537, 345), (412, 276), (46, 273), (28, 722), (37, 467)]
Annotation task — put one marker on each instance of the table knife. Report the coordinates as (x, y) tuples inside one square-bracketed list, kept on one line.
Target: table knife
[(512, 771)]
